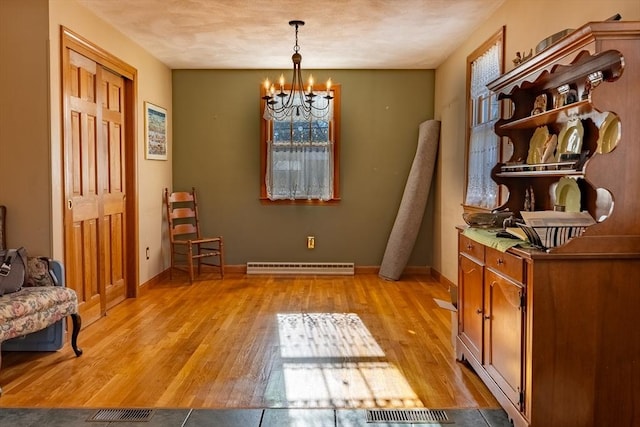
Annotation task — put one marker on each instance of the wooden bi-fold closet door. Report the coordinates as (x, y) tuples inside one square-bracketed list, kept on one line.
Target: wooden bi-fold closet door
[(95, 177)]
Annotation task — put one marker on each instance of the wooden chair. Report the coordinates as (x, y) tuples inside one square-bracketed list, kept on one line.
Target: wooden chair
[(187, 244)]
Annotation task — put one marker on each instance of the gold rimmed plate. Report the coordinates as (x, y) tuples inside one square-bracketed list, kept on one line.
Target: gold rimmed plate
[(536, 145), (570, 138), (568, 194), (609, 133)]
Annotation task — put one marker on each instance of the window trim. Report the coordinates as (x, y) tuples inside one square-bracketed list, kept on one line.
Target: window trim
[(334, 130), (497, 37)]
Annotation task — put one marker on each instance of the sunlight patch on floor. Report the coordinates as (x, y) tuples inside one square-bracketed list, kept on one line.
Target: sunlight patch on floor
[(347, 385), (332, 360), (325, 335)]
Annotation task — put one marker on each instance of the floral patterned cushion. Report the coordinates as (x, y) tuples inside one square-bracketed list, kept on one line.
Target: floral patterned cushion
[(34, 308)]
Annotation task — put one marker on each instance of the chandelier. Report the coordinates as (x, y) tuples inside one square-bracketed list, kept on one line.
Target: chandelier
[(295, 102)]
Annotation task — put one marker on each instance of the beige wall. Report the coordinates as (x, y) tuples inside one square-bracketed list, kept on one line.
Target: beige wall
[(527, 22), (30, 125), (216, 134), (25, 181)]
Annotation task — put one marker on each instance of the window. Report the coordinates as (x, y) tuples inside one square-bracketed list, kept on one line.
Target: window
[(299, 157), (484, 149)]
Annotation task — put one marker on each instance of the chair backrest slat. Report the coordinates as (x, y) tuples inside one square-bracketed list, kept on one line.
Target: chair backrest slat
[(179, 229), (181, 196), (179, 213)]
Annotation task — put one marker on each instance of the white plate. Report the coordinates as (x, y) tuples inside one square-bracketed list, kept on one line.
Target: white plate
[(609, 133), (570, 138), (568, 194), (536, 145)]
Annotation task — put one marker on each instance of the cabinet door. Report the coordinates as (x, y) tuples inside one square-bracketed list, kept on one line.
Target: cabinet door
[(470, 276), (504, 336)]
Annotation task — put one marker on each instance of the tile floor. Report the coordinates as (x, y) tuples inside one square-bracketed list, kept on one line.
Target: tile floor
[(17, 417)]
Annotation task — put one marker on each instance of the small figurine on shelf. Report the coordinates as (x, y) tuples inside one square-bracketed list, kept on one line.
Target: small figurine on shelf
[(572, 96), (540, 104), (586, 93), (529, 200), (593, 80), (532, 198), (518, 59), (521, 57)]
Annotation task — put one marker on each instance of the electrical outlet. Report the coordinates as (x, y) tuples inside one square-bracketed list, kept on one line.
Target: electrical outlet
[(311, 242)]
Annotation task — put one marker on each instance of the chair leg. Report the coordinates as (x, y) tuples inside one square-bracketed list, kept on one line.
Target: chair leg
[(190, 255), (199, 260), (77, 324), (221, 258), (172, 261)]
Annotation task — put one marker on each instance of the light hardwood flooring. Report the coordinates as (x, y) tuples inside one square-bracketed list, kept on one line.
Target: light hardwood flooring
[(258, 342)]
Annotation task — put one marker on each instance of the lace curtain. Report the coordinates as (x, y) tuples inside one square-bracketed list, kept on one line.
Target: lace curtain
[(300, 171), (484, 144), (300, 154)]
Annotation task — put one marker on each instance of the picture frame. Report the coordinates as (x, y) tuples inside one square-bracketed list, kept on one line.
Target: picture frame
[(155, 132)]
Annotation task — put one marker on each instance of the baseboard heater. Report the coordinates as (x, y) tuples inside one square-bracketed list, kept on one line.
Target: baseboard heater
[(329, 268)]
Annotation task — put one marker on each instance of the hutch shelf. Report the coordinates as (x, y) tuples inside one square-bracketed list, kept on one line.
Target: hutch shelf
[(555, 334)]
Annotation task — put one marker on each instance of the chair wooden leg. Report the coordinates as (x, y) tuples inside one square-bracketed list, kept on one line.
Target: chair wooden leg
[(172, 261), (221, 258), (77, 324), (190, 255), (199, 260)]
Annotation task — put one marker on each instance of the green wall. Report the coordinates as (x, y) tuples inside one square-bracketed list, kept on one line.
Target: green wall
[(215, 148)]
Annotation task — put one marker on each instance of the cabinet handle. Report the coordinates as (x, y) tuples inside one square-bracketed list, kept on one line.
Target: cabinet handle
[(479, 311), (500, 261), (469, 246), (487, 317)]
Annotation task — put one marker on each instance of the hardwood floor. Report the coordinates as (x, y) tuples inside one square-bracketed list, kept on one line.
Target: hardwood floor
[(258, 342)]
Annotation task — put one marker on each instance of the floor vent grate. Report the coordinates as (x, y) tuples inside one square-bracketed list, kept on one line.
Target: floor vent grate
[(122, 415), (407, 416), (330, 268)]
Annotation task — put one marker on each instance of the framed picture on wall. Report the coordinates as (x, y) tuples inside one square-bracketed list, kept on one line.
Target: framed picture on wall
[(155, 132)]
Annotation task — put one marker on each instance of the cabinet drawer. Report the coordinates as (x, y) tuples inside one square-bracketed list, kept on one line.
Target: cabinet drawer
[(471, 248), (508, 264)]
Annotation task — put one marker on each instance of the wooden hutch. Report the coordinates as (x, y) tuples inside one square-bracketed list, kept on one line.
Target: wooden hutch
[(555, 334)]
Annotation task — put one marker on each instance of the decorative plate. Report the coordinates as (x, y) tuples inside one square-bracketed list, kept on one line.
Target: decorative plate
[(609, 133), (568, 194), (550, 145), (536, 145), (570, 138)]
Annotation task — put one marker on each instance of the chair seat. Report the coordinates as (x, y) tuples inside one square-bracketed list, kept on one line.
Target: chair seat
[(196, 241)]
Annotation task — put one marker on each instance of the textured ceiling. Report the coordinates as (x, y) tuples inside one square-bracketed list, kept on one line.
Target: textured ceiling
[(255, 34)]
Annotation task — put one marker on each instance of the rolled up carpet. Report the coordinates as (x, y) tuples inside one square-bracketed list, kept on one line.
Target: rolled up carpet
[(414, 200)]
